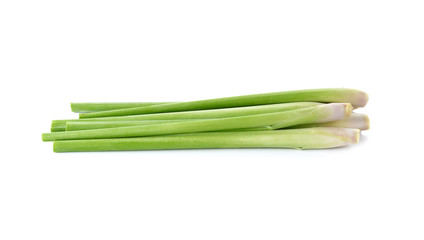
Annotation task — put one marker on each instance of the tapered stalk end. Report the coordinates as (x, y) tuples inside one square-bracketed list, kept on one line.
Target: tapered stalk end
[(324, 137)]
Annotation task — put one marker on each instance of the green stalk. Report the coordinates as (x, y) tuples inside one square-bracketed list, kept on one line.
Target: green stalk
[(355, 120), (82, 125), (322, 113), (85, 107), (307, 138), (59, 125), (340, 95), (78, 126)]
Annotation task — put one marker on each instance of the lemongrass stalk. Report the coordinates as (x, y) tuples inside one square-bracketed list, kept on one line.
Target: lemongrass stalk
[(355, 120), (85, 107), (340, 95), (321, 113), (60, 125), (83, 125), (306, 138), (78, 126)]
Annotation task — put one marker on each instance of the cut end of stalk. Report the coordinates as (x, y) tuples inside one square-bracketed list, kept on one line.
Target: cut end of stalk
[(72, 106), (361, 99), (356, 120), (337, 111), (46, 137), (56, 148), (67, 128), (367, 123), (349, 135)]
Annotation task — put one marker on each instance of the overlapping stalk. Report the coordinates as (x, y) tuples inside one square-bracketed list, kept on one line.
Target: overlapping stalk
[(60, 125), (305, 138), (304, 119), (85, 107), (319, 114), (340, 95)]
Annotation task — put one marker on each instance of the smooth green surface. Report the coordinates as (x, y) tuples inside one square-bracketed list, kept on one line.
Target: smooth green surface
[(77, 126), (60, 125), (85, 107), (355, 120), (340, 95), (321, 113), (82, 125), (307, 138)]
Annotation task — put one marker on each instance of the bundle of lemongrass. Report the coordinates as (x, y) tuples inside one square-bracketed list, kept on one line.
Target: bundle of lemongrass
[(304, 119)]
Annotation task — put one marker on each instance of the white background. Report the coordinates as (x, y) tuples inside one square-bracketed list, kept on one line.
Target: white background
[(55, 52)]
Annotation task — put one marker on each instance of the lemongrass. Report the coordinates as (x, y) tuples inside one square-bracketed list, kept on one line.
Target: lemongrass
[(85, 107), (87, 125), (306, 138), (355, 120), (322, 113), (340, 95), (60, 125)]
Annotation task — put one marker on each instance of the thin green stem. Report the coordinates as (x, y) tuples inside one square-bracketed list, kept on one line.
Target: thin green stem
[(88, 125), (78, 126), (85, 107), (321, 113), (340, 95), (355, 120), (307, 138), (59, 125)]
